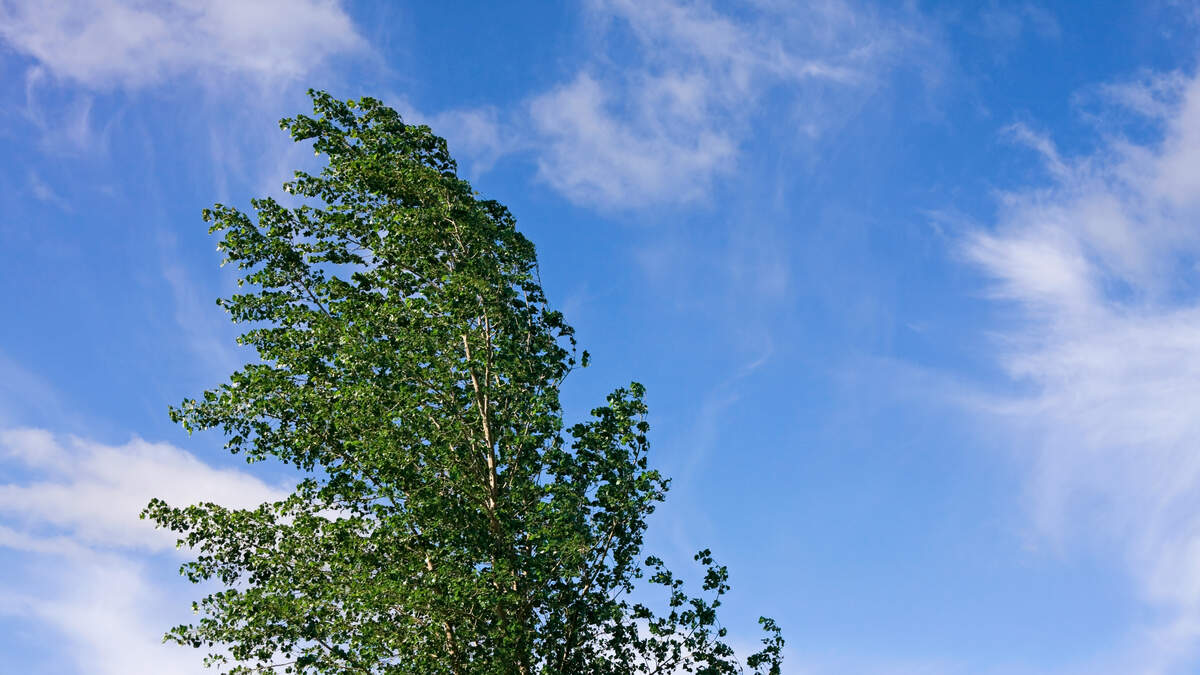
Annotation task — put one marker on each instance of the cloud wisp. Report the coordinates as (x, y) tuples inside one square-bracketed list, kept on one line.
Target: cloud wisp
[(1101, 266)]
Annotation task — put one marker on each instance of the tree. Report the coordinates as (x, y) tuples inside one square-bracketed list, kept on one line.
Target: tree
[(446, 520)]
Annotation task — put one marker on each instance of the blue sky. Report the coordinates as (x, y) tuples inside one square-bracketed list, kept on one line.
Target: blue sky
[(914, 290)]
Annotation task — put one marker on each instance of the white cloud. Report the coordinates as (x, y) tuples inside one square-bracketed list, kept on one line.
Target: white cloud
[(593, 157), (92, 493), (133, 43), (659, 129), (1102, 263), (85, 566)]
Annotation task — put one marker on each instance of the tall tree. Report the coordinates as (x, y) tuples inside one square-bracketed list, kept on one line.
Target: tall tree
[(446, 520)]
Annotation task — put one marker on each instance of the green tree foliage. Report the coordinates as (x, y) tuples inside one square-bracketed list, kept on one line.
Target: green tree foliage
[(446, 520)]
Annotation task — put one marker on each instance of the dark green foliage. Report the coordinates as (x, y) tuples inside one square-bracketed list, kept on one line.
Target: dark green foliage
[(446, 520)]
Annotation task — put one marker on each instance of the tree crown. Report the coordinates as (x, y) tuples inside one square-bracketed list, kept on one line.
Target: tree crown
[(447, 519)]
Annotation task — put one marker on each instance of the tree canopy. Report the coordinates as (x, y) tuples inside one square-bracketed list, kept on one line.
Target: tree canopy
[(446, 518)]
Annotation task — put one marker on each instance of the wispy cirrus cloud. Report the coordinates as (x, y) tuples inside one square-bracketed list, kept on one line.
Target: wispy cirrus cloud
[(1101, 263)]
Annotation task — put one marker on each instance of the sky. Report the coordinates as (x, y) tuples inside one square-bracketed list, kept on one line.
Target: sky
[(914, 288)]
